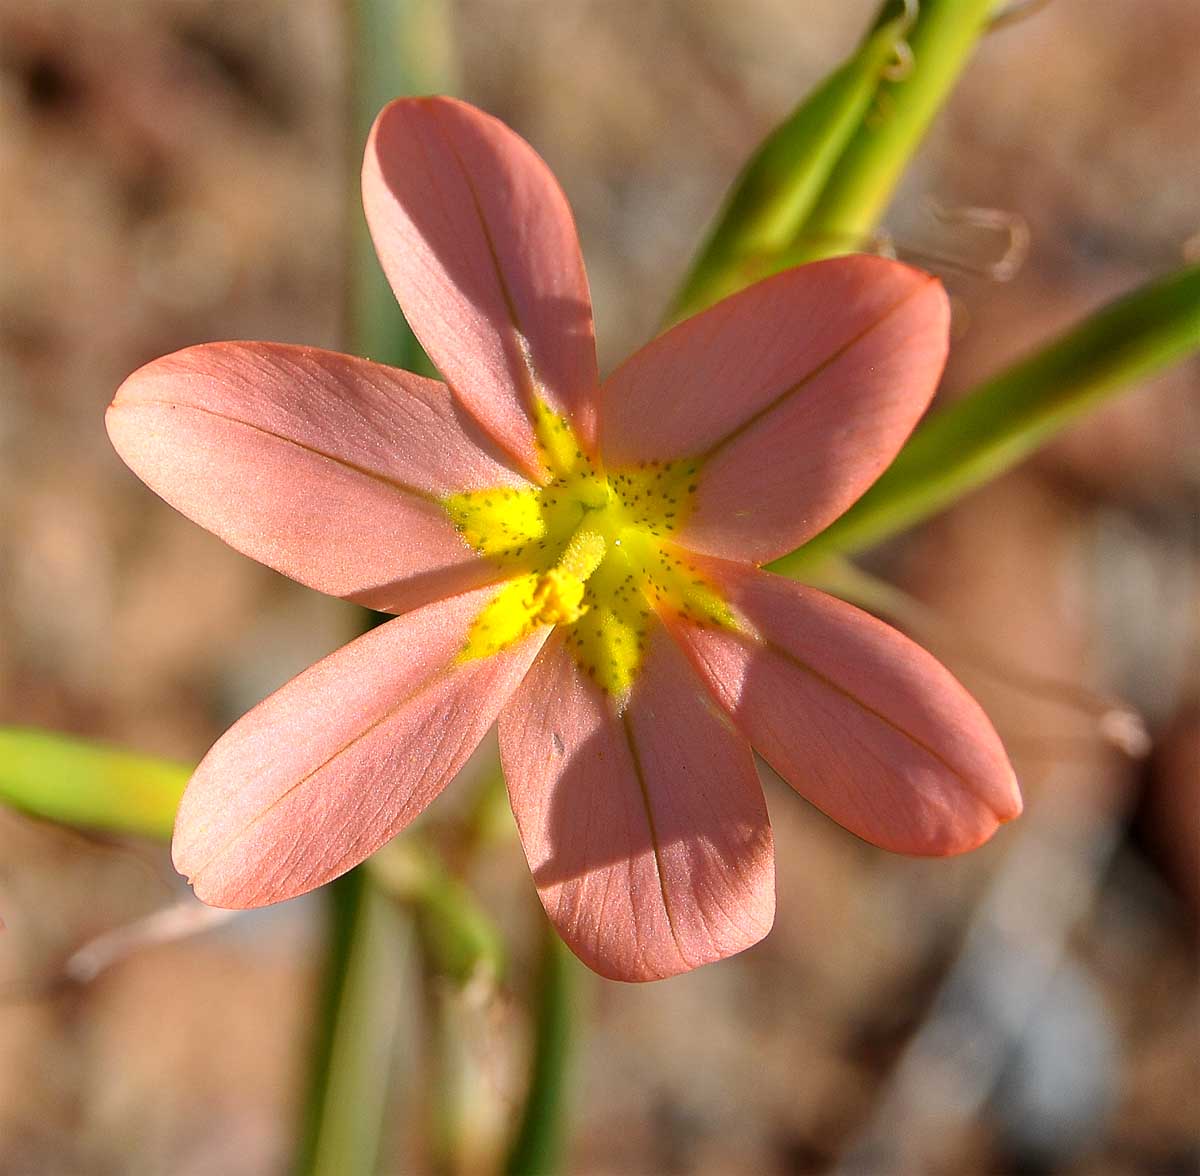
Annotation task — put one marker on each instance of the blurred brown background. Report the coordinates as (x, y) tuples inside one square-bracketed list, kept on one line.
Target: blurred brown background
[(179, 170)]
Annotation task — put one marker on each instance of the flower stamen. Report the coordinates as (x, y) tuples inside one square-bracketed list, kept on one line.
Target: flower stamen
[(558, 596)]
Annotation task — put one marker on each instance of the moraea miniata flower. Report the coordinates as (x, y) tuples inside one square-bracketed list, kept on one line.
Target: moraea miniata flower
[(576, 559)]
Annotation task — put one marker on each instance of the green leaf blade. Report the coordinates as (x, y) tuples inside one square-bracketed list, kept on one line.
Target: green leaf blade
[(77, 782)]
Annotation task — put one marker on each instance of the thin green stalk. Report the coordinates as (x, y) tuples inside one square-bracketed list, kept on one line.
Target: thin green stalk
[(539, 1143), (458, 938), (777, 189), (447, 1076), (820, 182), (861, 185), (394, 47), (1004, 419), (397, 47), (356, 1028)]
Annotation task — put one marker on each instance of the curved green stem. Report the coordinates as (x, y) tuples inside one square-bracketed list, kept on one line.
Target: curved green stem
[(459, 940)]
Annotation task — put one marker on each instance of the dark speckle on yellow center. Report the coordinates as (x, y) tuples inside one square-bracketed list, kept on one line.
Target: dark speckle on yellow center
[(589, 551)]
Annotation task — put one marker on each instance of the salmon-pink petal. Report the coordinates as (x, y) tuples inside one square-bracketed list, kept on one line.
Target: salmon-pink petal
[(324, 467), (857, 718), (343, 757), (795, 393), (478, 242), (646, 831)]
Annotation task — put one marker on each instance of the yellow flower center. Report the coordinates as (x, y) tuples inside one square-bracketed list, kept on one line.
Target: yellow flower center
[(590, 551)]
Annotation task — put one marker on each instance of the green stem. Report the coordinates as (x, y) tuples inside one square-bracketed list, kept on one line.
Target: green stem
[(860, 187), (1004, 419), (538, 1146), (353, 1049), (459, 940), (393, 47), (777, 189), (396, 47)]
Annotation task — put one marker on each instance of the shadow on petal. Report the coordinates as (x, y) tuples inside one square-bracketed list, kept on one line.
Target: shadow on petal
[(646, 831), (408, 592), (479, 244)]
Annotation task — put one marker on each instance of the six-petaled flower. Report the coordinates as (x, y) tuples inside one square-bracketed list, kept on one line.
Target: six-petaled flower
[(575, 558)]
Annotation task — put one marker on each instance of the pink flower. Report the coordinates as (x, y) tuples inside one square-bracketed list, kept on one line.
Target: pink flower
[(573, 558)]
